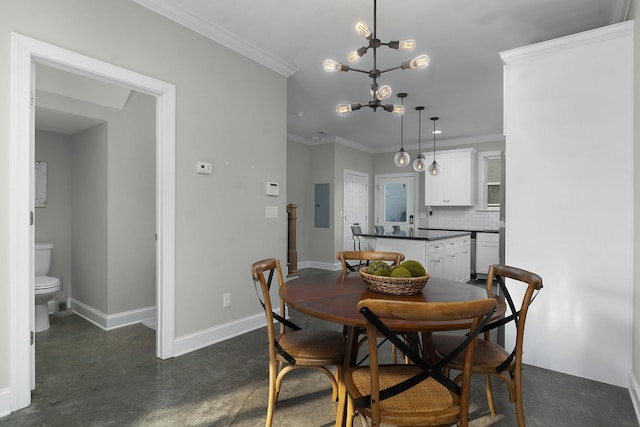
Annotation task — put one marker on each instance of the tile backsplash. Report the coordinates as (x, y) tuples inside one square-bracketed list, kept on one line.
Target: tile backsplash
[(461, 217)]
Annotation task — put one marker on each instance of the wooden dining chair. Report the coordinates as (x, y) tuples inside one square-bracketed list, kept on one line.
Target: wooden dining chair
[(493, 360), (416, 394), (293, 347), (365, 257)]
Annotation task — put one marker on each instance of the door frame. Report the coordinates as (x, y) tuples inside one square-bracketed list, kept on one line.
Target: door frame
[(24, 52)]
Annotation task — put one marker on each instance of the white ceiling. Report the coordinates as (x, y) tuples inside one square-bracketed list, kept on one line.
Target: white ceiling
[(462, 85)]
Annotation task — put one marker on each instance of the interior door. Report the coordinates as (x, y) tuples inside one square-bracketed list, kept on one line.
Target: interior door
[(356, 207), (396, 201)]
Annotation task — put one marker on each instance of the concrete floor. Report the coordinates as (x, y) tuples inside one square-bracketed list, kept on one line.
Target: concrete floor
[(89, 377)]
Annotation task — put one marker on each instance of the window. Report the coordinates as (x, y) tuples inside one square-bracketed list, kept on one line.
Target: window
[(489, 178)]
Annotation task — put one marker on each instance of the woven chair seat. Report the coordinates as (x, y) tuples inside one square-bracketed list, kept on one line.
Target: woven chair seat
[(310, 346), (487, 355), (437, 401)]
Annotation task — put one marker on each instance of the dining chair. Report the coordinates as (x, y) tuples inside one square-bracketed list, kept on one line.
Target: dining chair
[(494, 360), (415, 394), (293, 347), (394, 258)]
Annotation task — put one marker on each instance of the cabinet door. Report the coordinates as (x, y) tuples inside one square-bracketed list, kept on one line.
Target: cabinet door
[(434, 266), (449, 267), (487, 245), (457, 183)]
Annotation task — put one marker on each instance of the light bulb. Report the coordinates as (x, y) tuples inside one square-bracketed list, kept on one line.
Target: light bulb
[(383, 92), (401, 158), (343, 108), (398, 109), (354, 56), (331, 66), (434, 169), (419, 164), (421, 61), (363, 29), (407, 45)]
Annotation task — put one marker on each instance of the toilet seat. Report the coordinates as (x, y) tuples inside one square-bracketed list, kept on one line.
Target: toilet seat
[(46, 283)]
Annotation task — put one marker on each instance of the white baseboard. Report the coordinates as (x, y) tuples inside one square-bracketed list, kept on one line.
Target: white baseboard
[(112, 321), (325, 265), (207, 337), (5, 402), (634, 389)]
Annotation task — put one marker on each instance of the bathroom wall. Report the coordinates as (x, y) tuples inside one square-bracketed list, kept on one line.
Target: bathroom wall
[(53, 222), (89, 216)]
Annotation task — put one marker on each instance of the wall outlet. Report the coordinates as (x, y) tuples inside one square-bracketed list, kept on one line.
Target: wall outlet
[(204, 168), (226, 300)]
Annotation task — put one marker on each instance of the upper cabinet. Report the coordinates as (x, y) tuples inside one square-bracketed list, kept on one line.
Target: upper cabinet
[(455, 184)]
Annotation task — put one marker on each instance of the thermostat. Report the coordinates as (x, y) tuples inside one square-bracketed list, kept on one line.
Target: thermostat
[(273, 189)]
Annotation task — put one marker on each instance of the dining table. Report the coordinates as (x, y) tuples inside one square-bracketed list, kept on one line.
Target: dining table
[(334, 296)]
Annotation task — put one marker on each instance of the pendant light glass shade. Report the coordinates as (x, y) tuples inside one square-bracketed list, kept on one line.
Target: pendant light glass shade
[(419, 164), (402, 158), (434, 169)]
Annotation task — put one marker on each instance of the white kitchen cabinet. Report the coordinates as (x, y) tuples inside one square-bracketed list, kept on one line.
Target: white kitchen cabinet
[(487, 251), (442, 258), (455, 184), (435, 258)]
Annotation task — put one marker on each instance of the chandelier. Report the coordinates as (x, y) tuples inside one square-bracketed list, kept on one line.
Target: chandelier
[(378, 93)]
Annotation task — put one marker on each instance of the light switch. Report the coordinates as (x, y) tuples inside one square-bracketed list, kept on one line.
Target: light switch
[(271, 212), (204, 167)]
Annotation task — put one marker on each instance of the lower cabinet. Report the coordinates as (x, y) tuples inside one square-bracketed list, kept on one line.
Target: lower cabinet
[(446, 258), (486, 251)]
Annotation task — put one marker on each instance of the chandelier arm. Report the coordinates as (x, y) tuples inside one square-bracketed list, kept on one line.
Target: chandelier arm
[(389, 69), (358, 70)]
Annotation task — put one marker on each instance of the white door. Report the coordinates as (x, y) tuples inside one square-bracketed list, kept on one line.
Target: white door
[(396, 201), (356, 207)]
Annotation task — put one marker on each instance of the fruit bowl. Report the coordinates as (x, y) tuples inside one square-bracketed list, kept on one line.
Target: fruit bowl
[(394, 285)]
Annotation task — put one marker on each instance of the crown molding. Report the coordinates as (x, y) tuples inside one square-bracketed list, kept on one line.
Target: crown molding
[(348, 143), (174, 11), (571, 41)]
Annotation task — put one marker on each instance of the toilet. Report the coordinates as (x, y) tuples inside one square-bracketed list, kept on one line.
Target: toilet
[(45, 287)]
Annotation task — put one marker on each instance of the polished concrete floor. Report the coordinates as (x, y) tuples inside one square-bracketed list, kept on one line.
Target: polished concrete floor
[(89, 377)]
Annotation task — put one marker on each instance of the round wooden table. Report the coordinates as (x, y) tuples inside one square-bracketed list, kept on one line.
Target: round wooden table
[(333, 296), (329, 296)]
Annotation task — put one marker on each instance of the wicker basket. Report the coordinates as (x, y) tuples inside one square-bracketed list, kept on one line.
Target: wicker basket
[(394, 285)]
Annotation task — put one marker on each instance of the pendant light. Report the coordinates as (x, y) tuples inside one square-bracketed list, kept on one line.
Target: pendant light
[(434, 169), (419, 164), (402, 158)]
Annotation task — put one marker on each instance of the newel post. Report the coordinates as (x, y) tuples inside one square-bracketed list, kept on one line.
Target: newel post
[(292, 255)]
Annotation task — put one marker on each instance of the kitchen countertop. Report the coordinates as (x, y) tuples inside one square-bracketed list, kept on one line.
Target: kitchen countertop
[(420, 234), (471, 230)]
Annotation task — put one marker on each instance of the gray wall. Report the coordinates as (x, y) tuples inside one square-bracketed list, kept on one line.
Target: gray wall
[(89, 217), (300, 192), (217, 215), (53, 222), (132, 206)]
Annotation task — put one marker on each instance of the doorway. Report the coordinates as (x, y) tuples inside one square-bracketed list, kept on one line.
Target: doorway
[(25, 52), (396, 201), (356, 208)]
